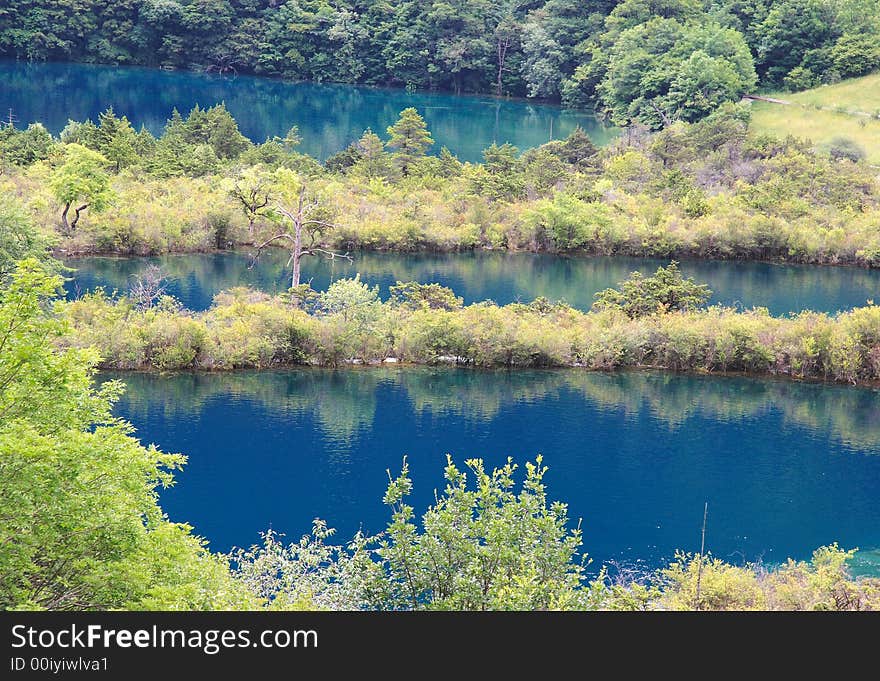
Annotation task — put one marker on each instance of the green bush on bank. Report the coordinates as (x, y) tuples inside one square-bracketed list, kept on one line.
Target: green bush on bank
[(490, 543)]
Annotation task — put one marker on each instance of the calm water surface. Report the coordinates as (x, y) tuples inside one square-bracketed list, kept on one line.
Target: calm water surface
[(785, 467), (329, 116), (502, 277)]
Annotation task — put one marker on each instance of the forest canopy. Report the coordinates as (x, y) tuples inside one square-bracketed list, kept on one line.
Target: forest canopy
[(688, 55)]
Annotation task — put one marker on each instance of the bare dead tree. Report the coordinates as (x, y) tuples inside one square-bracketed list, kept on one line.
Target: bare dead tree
[(303, 227), (253, 197), (702, 551), (224, 62), (148, 287), (505, 33), (667, 121)]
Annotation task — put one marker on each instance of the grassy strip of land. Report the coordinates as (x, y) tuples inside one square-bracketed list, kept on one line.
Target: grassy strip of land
[(820, 126), (845, 110), (851, 95), (348, 324)]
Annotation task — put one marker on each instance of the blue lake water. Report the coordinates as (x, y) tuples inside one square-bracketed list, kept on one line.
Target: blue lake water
[(502, 277), (785, 467), (329, 116)]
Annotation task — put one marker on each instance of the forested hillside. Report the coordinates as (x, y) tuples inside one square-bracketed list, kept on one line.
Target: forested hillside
[(646, 60)]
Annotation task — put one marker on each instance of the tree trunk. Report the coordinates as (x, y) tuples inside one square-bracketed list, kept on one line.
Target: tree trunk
[(502, 56), (297, 240), (294, 280), (77, 211), (65, 225)]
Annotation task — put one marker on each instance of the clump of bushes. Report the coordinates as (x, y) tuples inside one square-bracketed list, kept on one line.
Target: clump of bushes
[(656, 324), (666, 291), (486, 545)]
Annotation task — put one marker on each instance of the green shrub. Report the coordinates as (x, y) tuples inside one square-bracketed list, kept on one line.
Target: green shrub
[(666, 291)]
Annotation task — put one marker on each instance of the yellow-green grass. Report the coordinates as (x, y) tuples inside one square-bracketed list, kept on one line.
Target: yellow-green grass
[(826, 112), (856, 94)]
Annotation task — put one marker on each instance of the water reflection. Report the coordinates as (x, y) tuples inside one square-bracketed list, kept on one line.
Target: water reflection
[(329, 116), (502, 277), (786, 467), (343, 402)]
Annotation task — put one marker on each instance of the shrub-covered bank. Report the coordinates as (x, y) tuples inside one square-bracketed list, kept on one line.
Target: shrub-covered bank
[(429, 325), (708, 190)]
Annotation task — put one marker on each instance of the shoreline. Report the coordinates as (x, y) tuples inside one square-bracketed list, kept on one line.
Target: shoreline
[(243, 249), (449, 366), (226, 75), (247, 329)]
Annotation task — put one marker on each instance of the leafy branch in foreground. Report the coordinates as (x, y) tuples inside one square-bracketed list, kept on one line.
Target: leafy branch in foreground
[(482, 545), (488, 544), (80, 524)]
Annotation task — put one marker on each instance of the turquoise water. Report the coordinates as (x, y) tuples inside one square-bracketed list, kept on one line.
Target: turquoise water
[(785, 467), (329, 116), (502, 277)]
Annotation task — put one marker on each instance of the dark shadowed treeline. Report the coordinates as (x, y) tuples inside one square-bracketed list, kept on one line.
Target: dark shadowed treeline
[(636, 60)]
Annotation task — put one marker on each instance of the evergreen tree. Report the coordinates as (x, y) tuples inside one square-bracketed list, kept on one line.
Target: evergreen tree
[(411, 139)]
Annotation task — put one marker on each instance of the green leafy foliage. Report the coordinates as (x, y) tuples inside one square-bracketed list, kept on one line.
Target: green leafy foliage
[(23, 147), (666, 291), (410, 139), (350, 298), (80, 527), (661, 71), (484, 545), (113, 137), (418, 296), (707, 189), (80, 182), (18, 238)]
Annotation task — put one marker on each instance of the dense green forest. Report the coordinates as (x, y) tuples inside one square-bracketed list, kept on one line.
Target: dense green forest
[(647, 60)]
